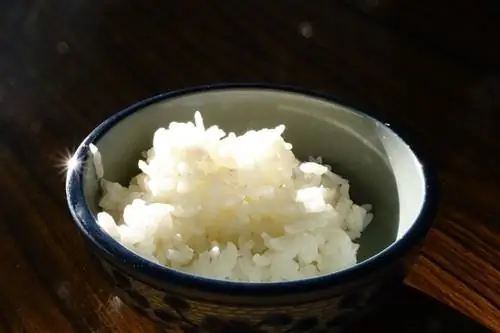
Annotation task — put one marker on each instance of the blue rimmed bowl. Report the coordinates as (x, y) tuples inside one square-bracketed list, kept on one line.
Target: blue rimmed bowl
[(382, 167)]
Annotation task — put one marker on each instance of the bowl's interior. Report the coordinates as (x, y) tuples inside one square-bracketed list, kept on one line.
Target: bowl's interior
[(381, 168)]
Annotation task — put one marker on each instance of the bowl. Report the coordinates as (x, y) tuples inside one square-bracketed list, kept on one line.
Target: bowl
[(382, 167)]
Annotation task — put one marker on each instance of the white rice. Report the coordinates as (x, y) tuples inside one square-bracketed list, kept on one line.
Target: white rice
[(233, 207)]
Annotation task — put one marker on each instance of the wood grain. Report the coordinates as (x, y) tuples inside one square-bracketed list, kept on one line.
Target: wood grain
[(67, 65)]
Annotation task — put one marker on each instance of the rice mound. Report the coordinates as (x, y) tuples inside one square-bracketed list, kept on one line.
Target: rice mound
[(240, 208)]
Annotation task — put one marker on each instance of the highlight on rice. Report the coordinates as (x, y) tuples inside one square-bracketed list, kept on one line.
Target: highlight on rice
[(240, 208)]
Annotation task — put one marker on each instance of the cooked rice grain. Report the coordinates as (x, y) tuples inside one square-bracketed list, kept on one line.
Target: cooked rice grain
[(242, 208)]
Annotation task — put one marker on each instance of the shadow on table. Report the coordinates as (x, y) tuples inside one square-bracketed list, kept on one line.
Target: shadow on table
[(413, 311)]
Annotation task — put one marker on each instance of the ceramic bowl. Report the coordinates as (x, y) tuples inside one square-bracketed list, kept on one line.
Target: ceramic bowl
[(383, 168)]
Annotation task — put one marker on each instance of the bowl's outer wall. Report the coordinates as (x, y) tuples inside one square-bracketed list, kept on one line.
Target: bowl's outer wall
[(181, 308)]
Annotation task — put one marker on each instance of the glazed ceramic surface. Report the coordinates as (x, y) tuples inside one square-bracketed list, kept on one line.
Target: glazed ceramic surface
[(382, 168)]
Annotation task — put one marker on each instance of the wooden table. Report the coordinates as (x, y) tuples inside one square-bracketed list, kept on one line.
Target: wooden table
[(65, 65)]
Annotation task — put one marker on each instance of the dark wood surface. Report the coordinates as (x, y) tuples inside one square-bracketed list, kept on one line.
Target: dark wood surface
[(65, 65)]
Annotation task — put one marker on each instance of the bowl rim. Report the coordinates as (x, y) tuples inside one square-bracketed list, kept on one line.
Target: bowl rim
[(117, 253)]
